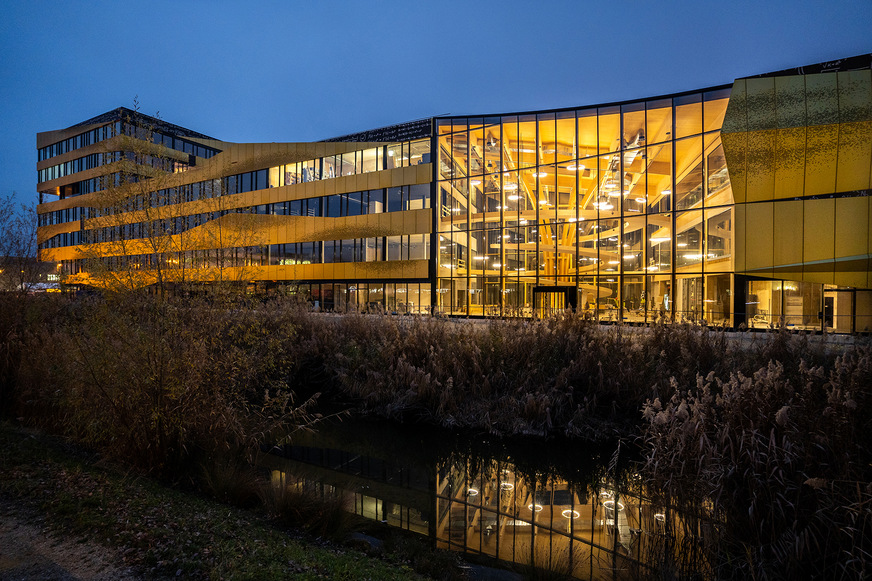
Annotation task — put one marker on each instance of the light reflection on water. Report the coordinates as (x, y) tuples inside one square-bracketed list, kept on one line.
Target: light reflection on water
[(483, 501)]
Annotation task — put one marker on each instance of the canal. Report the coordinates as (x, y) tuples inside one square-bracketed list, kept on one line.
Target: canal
[(557, 505)]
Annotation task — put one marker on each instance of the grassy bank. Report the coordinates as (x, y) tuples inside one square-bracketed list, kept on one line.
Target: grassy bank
[(765, 440), (161, 532)]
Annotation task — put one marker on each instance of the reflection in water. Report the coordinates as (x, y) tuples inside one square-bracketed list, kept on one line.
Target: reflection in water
[(479, 501)]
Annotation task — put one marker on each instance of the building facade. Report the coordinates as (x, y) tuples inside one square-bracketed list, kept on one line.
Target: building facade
[(743, 204)]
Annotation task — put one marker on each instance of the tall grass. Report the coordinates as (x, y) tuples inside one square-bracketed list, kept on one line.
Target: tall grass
[(764, 443), (163, 386), (770, 470)]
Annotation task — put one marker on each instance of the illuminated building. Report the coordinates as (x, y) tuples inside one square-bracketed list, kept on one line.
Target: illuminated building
[(740, 204)]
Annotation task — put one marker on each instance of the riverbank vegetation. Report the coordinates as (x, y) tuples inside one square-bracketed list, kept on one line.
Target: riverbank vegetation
[(763, 438), (156, 532)]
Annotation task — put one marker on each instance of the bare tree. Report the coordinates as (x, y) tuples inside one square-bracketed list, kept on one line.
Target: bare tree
[(20, 269), (133, 242), (139, 239)]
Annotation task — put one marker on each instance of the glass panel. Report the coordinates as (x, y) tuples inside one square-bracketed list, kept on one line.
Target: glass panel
[(659, 121), (510, 143), (634, 125), (329, 165), (718, 191), (587, 133), (395, 154), (608, 300), (688, 298), (476, 152), (633, 179), (659, 249), (526, 152), (609, 129), (689, 173), (347, 164), (688, 115), (838, 309), (608, 241), (376, 202), (418, 197), (478, 251), (446, 164), (714, 108), (546, 186), (763, 303), (633, 247), (719, 240), (688, 241), (588, 254), (476, 295), (460, 154), (564, 184), (634, 299), (719, 300), (608, 201), (588, 188), (566, 135), (565, 259), (460, 296), (492, 148), (659, 177), (547, 138), (419, 151), (659, 297)]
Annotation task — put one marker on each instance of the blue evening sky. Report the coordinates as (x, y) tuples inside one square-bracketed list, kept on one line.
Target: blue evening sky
[(303, 71)]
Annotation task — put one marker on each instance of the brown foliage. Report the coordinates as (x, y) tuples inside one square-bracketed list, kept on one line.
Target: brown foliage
[(162, 384)]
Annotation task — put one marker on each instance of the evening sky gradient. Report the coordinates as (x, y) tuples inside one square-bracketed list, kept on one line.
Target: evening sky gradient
[(303, 71)]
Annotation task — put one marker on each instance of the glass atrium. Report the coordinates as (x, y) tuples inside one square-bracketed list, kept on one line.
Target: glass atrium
[(620, 211)]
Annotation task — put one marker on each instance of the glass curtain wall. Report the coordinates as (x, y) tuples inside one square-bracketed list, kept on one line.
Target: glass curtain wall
[(629, 205)]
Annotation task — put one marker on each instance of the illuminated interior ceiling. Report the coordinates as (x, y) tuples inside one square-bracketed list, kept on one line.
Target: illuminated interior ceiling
[(573, 167)]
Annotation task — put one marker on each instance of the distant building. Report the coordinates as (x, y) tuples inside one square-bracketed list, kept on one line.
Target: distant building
[(739, 204)]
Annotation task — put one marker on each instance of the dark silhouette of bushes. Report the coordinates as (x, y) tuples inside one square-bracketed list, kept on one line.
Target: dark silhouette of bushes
[(161, 385), (762, 442)]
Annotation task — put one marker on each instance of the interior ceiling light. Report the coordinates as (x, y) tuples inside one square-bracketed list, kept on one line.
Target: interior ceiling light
[(541, 174), (475, 182), (666, 192), (514, 197), (510, 187), (641, 200)]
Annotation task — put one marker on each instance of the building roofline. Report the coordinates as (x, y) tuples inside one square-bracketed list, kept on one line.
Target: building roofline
[(852, 63), (595, 106), (122, 113)]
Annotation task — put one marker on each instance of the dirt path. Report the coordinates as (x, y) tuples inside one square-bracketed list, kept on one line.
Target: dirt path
[(29, 552)]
